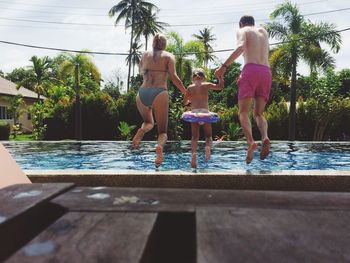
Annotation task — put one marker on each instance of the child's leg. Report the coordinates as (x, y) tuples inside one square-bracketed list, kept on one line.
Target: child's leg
[(194, 143), (208, 139)]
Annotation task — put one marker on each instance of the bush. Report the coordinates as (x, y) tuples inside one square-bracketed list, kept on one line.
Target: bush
[(4, 130)]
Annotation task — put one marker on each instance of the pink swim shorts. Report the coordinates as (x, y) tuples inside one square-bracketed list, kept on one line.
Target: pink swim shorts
[(255, 81)]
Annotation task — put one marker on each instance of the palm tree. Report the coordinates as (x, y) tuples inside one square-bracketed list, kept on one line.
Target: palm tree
[(40, 76), (183, 52), (149, 26), (206, 38), (300, 39), (133, 11), (135, 56), (67, 68), (73, 65)]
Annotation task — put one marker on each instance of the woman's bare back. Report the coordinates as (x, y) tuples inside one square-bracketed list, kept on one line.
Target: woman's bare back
[(154, 67)]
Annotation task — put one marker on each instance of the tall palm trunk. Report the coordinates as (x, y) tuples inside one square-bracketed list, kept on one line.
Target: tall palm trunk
[(131, 43), (292, 107)]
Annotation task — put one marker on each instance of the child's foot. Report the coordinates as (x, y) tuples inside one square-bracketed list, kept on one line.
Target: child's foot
[(207, 153), (250, 153), (194, 160), (159, 156), (265, 149), (137, 138)]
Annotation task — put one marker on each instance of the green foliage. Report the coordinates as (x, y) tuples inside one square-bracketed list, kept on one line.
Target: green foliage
[(99, 117), (175, 126), (16, 110), (233, 132), (125, 130), (277, 117), (39, 112), (4, 130)]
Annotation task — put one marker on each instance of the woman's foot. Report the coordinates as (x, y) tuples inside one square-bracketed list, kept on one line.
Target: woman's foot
[(159, 156), (265, 149), (207, 153), (137, 138), (250, 153), (194, 160)]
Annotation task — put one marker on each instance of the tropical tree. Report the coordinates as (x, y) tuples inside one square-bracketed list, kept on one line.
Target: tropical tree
[(135, 56), (206, 37), (85, 65), (42, 77), (301, 40), (16, 109), (133, 12), (187, 54), (149, 26)]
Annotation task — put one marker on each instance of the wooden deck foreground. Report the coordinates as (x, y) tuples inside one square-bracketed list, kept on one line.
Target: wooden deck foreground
[(59, 222)]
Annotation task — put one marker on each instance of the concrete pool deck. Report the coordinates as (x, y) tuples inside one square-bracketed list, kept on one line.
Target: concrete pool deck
[(287, 180)]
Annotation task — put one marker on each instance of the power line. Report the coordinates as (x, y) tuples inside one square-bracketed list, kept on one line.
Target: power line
[(125, 54), (163, 9), (173, 25), (65, 50)]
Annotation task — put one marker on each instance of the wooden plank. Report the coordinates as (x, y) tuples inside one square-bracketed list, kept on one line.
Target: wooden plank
[(18, 199), (90, 237), (186, 200), (25, 211), (272, 235), (10, 173)]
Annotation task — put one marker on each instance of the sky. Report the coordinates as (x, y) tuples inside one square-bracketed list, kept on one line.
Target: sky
[(85, 25)]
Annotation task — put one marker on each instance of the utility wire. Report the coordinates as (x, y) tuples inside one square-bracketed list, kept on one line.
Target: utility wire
[(126, 54), (173, 25), (65, 50)]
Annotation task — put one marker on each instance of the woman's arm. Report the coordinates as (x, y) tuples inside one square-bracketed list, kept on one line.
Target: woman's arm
[(174, 77)]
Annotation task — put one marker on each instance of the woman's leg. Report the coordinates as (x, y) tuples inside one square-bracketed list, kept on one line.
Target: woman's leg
[(147, 124), (161, 108), (194, 143)]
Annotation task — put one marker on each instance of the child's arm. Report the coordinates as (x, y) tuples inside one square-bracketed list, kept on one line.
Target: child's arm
[(218, 86)]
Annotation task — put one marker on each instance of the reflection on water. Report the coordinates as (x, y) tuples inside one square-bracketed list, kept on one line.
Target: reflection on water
[(107, 155)]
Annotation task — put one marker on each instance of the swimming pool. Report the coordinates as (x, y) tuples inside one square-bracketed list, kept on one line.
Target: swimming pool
[(226, 156)]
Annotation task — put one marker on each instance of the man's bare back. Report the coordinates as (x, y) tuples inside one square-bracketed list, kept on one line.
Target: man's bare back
[(255, 45)]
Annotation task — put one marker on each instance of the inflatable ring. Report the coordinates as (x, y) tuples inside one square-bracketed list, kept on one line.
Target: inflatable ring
[(200, 117)]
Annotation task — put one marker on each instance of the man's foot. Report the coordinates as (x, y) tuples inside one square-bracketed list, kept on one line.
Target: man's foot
[(159, 156), (265, 149), (194, 160), (207, 153), (137, 138), (250, 153)]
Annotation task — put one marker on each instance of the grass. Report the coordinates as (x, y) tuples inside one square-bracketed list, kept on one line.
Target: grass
[(21, 137)]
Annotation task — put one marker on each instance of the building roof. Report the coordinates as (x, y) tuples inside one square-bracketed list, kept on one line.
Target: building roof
[(10, 89)]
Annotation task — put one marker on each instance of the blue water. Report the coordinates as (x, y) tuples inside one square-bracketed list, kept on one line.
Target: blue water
[(226, 156)]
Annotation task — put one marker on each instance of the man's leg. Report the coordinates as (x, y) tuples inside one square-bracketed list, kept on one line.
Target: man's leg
[(261, 122), (244, 109)]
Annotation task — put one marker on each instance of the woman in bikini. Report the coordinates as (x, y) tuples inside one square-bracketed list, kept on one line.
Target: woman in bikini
[(152, 98)]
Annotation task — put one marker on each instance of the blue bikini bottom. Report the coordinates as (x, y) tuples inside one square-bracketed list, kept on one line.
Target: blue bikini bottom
[(147, 95)]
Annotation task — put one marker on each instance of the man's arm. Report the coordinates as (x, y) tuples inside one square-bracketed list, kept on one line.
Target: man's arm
[(174, 77), (241, 39)]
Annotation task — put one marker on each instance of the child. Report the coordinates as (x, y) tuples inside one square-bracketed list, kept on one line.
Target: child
[(197, 95)]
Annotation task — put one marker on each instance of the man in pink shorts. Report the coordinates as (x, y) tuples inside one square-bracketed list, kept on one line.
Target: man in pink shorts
[(254, 83)]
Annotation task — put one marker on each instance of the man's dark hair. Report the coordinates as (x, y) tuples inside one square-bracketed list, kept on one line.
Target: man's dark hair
[(247, 21)]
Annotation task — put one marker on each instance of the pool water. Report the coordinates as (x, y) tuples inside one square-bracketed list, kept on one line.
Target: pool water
[(226, 156)]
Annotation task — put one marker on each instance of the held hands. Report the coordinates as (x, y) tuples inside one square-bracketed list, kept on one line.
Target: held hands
[(219, 73)]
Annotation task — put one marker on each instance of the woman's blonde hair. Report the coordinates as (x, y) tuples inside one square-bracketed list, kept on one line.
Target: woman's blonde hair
[(159, 42)]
